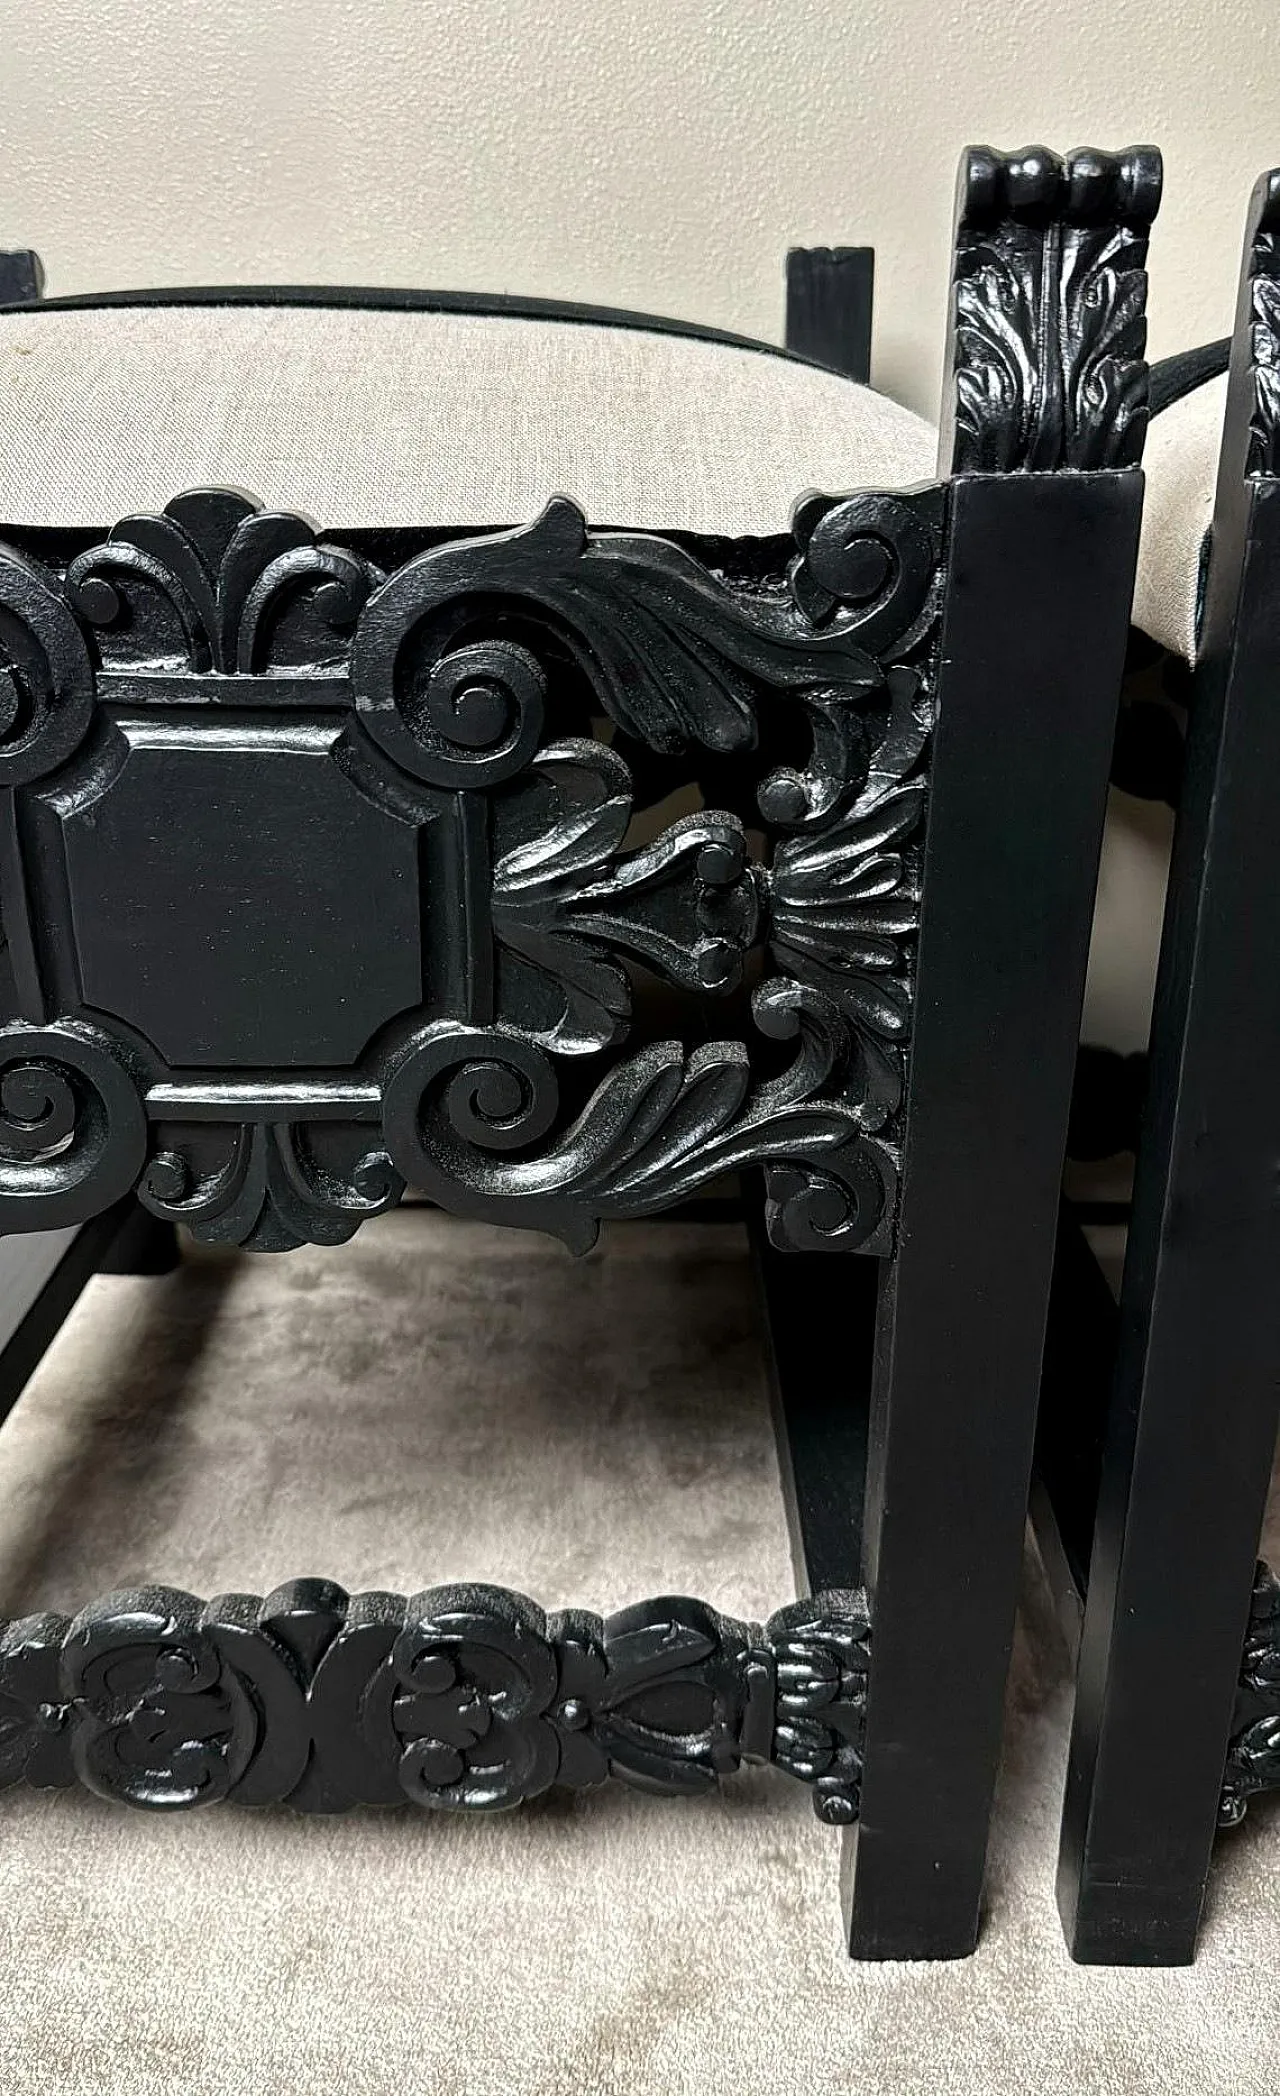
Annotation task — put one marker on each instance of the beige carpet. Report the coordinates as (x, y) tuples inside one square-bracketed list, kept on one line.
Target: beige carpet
[(441, 1400)]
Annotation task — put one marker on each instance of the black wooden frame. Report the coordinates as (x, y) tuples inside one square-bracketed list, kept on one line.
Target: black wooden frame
[(1182, 1479), (957, 647)]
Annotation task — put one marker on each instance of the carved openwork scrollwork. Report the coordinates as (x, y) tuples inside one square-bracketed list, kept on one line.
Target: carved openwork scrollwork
[(675, 658), (267, 1190), (272, 804), (567, 899), (844, 900), (46, 674), (465, 1698), (1049, 363), (458, 1103)]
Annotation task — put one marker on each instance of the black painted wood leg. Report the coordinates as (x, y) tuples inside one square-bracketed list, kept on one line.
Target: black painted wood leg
[(1027, 698), (1035, 617), (817, 1315), (1079, 1357), (146, 1245), (1195, 1400)]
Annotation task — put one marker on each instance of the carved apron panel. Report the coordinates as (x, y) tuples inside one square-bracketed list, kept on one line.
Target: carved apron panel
[(321, 878)]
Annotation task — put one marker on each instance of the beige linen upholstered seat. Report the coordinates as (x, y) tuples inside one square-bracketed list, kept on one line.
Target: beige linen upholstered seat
[(358, 417), (1181, 462)]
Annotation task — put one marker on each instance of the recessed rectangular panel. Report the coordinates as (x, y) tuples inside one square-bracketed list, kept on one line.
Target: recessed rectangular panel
[(239, 900)]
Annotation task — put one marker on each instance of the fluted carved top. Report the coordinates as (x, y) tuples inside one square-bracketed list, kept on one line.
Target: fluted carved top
[(1048, 357), (1036, 186)]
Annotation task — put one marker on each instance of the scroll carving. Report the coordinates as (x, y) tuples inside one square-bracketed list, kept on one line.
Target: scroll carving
[(267, 1189), (463, 1698), (565, 898), (216, 572), (46, 673), (459, 1104), (73, 1134)]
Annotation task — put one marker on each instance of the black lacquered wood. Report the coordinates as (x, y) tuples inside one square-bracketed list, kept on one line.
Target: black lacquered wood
[(1046, 372), (830, 295), (1027, 704), (21, 276), (1079, 1356), (462, 1698), (316, 883), (1197, 1394), (819, 1341)]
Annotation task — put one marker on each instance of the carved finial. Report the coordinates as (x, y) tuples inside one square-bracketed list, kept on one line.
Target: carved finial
[(1255, 346), (1048, 351)]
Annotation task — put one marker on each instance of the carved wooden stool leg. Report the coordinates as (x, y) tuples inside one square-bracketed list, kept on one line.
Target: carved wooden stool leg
[(1195, 1400), (1035, 621), (145, 1245), (819, 1337)]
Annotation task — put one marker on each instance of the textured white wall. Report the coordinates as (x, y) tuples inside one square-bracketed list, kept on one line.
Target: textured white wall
[(654, 153)]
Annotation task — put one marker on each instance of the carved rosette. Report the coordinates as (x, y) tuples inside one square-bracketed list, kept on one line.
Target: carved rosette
[(326, 891), (1049, 291), (463, 1698)]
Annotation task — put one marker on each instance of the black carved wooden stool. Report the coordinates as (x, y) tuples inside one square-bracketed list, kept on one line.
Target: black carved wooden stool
[(321, 879), (1195, 1399)]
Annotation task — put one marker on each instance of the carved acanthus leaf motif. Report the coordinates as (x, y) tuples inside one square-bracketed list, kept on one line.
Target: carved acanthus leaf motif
[(1264, 430), (512, 906), (465, 1697), (225, 569), (1050, 329), (674, 655), (843, 899), (660, 1124), (1253, 1756), (267, 1191), (565, 898), (1260, 291)]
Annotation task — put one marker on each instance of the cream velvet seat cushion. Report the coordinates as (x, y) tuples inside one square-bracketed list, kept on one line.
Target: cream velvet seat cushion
[(1182, 470), (359, 417)]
